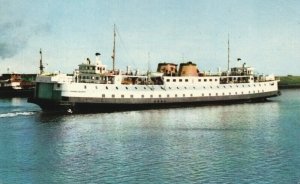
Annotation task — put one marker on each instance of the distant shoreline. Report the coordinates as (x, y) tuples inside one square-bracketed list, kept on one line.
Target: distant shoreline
[(289, 82)]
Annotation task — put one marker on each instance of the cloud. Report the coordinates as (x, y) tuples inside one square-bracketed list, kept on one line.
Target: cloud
[(15, 36)]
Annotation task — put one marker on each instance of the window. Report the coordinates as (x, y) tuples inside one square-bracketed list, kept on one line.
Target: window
[(209, 94), (210, 80), (191, 95), (84, 87), (103, 95), (216, 80), (236, 93), (216, 94), (131, 96), (183, 95), (151, 96), (186, 80), (199, 80), (126, 88), (180, 80), (122, 96), (117, 88), (113, 96), (168, 95), (135, 87), (106, 87), (202, 94), (223, 94), (175, 95), (142, 96), (205, 80), (159, 96), (168, 80), (174, 80)]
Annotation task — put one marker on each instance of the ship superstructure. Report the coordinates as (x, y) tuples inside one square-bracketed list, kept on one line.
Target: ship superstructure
[(94, 88)]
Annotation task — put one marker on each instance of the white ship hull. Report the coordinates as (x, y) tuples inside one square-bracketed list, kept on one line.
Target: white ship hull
[(67, 96)]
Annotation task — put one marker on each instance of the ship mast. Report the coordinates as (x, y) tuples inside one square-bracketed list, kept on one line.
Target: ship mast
[(114, 48), (41, 63), (228, 61)]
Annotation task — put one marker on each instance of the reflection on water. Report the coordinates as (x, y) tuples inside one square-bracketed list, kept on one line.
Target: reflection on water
[(241, 143)]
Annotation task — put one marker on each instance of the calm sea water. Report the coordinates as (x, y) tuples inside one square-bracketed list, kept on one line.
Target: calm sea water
[(243, 143)]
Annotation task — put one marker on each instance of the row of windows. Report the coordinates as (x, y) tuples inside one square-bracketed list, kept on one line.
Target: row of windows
[(163, 88), (184, 95), (90, 68), (187, 80)]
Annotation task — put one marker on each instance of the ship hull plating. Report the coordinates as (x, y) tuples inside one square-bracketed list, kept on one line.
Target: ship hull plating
[(90, 105)]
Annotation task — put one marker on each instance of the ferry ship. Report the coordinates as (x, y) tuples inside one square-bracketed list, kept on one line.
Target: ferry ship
[(94, 88)]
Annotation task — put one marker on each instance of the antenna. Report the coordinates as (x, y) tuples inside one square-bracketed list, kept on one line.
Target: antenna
[(149, 62), (228, 60), (41, 63), (114, 48)]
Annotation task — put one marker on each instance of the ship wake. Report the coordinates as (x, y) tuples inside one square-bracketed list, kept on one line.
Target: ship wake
[(14, 114)]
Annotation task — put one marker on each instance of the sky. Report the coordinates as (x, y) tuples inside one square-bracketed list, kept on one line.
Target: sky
[(265, 34)]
